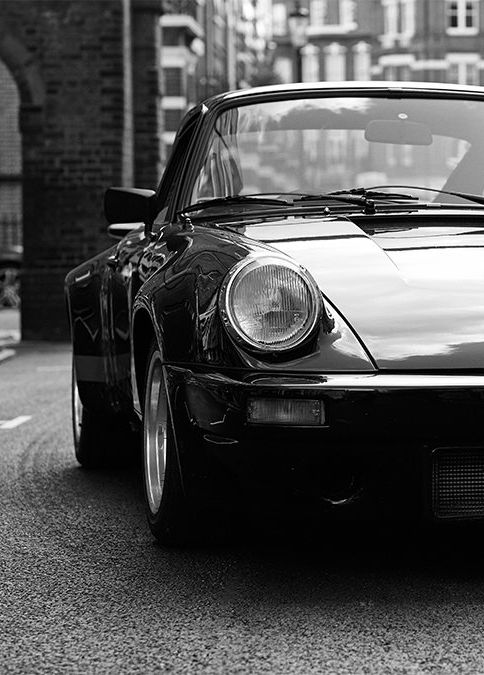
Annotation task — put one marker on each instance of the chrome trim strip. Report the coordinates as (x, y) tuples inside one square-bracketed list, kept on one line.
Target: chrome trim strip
[(371, 382)]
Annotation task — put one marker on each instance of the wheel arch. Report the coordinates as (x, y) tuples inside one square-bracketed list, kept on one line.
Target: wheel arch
[(143, 335)]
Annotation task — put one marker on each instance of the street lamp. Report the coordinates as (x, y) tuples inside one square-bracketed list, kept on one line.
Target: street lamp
[(297, 22)]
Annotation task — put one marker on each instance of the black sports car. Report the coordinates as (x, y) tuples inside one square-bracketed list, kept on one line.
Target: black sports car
[(295, 317)]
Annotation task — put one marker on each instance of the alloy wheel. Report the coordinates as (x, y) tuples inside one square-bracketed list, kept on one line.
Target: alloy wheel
[(155, 433)]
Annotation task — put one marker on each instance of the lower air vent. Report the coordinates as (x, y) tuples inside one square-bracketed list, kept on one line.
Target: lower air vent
[(458, 483)]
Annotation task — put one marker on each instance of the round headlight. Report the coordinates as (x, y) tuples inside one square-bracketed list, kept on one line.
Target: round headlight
[(269, 303)]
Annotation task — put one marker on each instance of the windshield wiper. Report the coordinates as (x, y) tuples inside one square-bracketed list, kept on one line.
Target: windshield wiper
[(373, 194), (478, 199), (364, 202), (234, 199)]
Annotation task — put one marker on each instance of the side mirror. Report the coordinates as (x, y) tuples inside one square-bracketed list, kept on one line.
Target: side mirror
[(129, 205)]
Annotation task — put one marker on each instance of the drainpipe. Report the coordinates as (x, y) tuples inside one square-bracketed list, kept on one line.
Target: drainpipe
[(127, 169)]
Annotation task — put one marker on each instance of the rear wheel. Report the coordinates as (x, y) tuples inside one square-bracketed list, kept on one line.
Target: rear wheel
[(100, 440), (170, 515)]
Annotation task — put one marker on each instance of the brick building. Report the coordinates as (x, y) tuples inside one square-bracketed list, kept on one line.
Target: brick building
[(10, 163), (429, 40), (80, 110), (341, 38), (208, 46)]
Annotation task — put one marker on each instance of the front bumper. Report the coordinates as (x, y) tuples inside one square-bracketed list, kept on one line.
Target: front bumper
[(373, 455)]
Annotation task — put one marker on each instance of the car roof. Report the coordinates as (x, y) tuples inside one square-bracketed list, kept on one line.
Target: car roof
[(244, 95)]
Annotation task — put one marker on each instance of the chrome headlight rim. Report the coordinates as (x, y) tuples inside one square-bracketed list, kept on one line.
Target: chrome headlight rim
[(229, 321)]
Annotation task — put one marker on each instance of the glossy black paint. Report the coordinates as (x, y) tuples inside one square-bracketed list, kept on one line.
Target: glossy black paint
[(409, 303)]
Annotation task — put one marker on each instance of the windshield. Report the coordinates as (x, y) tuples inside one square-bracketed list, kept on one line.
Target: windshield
[(320, 145)]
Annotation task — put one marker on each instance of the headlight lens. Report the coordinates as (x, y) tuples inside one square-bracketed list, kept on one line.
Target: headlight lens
[(270, 303)]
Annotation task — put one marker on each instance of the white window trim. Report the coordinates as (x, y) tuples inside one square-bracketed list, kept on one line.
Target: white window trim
[(331, 29), (175, 57), (182, 21), (173, 102), (430, 64), (462, 29), (396, 60), (392, 35), (463, 57)]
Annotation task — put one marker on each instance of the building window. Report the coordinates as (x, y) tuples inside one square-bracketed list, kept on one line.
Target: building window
[(397, 73), (335, 62), (463, 69), (173, 82), (316, 12), (462, 17), (332, 12), (398, 22), (173, 119), (279, 19)]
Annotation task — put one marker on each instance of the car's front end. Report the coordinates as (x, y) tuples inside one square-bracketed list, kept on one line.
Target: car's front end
[(375, 409), (340, 359), (309, 330)]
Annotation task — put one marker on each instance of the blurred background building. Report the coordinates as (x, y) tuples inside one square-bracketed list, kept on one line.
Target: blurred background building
[(92, 92), (425, 40), (209, 46)]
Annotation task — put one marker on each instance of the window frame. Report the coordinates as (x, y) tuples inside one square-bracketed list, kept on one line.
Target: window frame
[(461, 15)]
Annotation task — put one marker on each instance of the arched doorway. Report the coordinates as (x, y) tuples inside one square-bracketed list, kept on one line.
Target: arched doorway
[(10, 190)]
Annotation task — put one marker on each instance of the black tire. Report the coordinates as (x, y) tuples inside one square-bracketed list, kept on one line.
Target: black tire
[(170, 514), (100, 440)]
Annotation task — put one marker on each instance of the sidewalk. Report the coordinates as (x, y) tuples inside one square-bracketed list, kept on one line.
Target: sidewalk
[(9, 332)]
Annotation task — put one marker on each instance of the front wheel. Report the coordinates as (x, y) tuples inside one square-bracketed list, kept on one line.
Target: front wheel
[(170, 515)]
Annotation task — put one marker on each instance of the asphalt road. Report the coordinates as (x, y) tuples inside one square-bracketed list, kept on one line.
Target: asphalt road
[(83, 587)]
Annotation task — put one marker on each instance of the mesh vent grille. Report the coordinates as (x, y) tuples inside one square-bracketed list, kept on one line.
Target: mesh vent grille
[(458, 483)]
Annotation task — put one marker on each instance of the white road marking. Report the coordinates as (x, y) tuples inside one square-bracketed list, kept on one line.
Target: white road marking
[(16, 422), (6, 354), (52, 369)]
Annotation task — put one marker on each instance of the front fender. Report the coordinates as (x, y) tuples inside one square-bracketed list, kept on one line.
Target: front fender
[(181, 301)]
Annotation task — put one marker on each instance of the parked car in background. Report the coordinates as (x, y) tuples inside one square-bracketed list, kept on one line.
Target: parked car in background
[(10, 264), (295, 317)]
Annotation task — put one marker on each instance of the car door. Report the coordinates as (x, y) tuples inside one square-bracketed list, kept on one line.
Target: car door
[(137, 257)]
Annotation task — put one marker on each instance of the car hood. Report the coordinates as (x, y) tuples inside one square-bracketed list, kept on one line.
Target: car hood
[(412, 290)]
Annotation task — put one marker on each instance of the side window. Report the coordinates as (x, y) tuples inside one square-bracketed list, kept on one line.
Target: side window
[(175, 168)]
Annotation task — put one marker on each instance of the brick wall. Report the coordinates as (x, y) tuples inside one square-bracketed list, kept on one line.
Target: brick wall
[(72, 135), (10, 162)]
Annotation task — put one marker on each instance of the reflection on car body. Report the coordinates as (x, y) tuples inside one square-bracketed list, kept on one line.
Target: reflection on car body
[(295, 317)]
